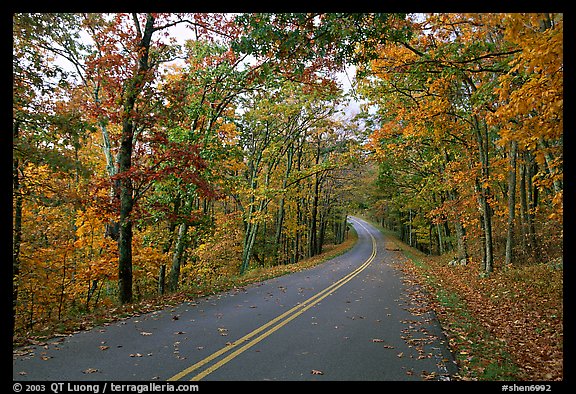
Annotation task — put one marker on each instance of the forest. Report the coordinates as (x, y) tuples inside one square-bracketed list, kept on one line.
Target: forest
[(155, 153)]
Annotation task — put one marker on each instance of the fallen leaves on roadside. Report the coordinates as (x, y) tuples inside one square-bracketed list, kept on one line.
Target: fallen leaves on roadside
[(428, 375), (517, 311)]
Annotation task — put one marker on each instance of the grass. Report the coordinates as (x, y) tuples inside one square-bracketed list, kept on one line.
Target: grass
[(479, 355)]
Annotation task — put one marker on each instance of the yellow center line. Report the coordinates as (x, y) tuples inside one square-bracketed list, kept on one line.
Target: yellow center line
[(295, 311)]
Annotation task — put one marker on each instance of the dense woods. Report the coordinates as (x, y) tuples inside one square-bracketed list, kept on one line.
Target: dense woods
[(142, 165), (156, 152), (469, 138)]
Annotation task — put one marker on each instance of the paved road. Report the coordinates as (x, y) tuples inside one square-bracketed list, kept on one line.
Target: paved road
[(350, 318)]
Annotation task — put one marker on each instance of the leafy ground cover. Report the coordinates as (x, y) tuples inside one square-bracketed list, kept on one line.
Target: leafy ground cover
[(507, 326)]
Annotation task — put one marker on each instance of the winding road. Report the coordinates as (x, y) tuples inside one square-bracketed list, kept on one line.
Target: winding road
[(350, 318)]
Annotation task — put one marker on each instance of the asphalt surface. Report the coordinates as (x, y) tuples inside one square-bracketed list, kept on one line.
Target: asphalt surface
[(351, 318)]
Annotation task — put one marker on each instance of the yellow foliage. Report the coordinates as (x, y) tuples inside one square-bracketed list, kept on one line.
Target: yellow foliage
[(228, 133), (220, 253)]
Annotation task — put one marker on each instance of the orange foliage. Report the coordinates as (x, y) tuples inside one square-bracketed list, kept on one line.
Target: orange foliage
[(466, 83)]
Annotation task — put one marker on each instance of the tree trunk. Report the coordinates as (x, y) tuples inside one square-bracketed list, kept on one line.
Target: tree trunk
[(133, 88), (281, 210), (511, 203), (321, 234), (523, 207), (162, 279), (313, 229), (462, 247), (126, 205), (174, 276), (557, 184), (532, 203), (526, 206), (461, 240), (410, 228), (112, 228), (125, 243), (249, 240), (440, 245), (482, 140), (251, 231)]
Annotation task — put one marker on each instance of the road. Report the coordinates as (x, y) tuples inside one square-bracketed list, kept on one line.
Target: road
[(350, 318)]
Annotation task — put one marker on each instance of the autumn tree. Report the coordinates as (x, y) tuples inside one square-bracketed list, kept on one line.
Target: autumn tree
[(441, 89), (129, 82), (48, 134), (197, 115)]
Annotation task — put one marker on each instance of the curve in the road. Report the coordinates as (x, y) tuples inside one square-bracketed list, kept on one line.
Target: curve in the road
[(273, 325)]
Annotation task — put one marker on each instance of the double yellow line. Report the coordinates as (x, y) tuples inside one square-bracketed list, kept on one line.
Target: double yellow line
[(272, 326)]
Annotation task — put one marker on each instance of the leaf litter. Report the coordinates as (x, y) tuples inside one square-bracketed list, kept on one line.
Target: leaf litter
[(517, 314)]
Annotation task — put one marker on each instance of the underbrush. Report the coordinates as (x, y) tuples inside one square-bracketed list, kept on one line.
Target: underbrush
[(103, 315)]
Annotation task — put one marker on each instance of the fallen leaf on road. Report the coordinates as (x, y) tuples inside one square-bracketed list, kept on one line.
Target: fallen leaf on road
[(145, 333), (135, 355), (90, 370), (316, 372), (104, 347), (428, 375), (400, 354), (376, 340)]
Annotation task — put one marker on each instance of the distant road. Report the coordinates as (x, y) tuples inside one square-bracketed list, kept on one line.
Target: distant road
[(347, 319)]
